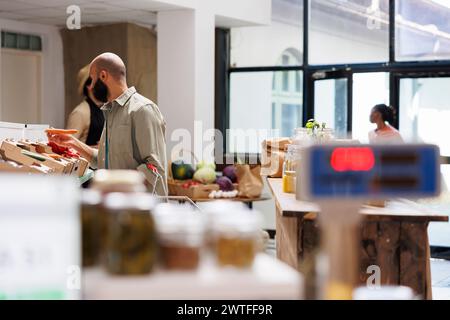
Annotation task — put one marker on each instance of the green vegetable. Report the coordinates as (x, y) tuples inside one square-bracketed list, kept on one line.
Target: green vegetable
[(181, 170), (203, 164), (205, 175)]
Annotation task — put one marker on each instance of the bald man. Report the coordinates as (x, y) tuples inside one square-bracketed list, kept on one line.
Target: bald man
[(134, 133)]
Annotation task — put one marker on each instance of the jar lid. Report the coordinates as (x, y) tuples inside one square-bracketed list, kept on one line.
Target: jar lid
[(137, 200), (118, 180), (238, 221), (91, 197), (173, 218)]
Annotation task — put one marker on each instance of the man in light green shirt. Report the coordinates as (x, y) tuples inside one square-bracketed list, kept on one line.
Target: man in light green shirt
[(134, 133)]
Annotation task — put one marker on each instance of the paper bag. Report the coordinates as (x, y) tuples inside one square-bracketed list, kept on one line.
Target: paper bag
[(250, 183), (272, 156)]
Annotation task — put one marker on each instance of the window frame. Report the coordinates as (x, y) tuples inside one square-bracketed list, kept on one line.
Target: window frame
[(395, 69)]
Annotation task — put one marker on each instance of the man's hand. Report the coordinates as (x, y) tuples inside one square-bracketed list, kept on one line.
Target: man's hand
[(67, 140)]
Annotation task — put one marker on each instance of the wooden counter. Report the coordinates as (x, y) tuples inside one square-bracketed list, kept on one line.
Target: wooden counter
[(395, 238)]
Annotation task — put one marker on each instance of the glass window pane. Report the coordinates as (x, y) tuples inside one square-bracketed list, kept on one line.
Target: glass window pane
[(425, 111), (35, 43), (23, 41), (10, 40), (281, 43), (330, 104), (369, 89), (422, 30), (350, 31), (261, 108)]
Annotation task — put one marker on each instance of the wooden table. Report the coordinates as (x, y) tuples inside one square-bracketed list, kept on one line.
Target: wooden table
[(395, 238)]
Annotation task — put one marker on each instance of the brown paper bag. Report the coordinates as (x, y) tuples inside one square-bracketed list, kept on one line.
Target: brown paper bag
[(250, 183), (272, 156)]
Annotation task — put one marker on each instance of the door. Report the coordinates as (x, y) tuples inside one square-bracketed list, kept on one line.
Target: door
[(20, 86)]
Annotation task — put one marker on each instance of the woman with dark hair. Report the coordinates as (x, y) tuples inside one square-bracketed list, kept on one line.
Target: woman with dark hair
[(87, 117), (383, 116)]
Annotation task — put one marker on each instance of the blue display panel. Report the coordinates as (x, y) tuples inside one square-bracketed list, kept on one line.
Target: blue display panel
[(373, 171)]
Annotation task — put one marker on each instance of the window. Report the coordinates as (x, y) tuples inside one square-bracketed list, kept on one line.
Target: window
[(369, 89), (422, 30), (262, 46), (425, 111), (21, 41), (350, 31), (261, 108)]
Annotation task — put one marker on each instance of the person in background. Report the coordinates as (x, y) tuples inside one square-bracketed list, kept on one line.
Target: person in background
[(133, 137), (87, 117), (383, 116)]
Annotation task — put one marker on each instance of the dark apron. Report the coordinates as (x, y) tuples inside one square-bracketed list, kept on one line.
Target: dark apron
[(97, 123)]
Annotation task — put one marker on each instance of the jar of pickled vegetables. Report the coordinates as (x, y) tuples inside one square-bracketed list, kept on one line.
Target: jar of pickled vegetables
[(131, 243), (290, 166), (109, 181), (180, 235), (90, 227), (236, 238)]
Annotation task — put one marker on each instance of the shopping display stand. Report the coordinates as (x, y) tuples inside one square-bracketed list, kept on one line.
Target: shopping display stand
[(340, 178)]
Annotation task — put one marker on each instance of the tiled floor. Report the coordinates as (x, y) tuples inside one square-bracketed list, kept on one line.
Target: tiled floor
[(440, 274)]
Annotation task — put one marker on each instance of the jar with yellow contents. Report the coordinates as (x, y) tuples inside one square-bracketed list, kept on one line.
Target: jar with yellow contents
[(290, 165), (236, 238)]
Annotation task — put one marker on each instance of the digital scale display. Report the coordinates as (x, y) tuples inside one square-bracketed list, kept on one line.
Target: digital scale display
[(372, 171)]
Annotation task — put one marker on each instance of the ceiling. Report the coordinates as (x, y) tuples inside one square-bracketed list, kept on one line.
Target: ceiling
[(53, 12)]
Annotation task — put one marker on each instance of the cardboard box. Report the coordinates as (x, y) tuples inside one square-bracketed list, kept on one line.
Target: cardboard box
[(10, 151), (9, 166), (83, 166), (46, 150)]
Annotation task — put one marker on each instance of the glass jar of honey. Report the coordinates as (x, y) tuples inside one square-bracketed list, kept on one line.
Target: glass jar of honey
[(131, 243), (290, 166), (236, 238)]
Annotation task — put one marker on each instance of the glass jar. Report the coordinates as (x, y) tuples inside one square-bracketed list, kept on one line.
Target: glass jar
[(131, 238), (302, 137), (180, 236), (236, 238), (90, 227), (110, 181), (214, 211), (290, 165), (325, 135)]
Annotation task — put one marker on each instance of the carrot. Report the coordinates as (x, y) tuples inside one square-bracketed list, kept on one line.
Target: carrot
[(53, 156), (61, 131)]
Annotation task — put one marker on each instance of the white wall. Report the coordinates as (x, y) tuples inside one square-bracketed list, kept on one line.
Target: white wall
[(52, 104)]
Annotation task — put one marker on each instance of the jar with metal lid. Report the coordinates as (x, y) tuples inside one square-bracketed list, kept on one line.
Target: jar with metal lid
[(91, 227), (236, 238), (290, 165), (180, 235), (131, 243)]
